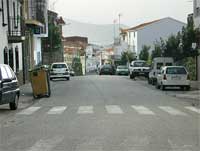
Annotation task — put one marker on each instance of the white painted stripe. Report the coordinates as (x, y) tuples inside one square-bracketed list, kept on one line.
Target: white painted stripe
[(85, 110), (172, 110), (46, 145), (143, 110), (114, 109), (57, 110), (191, 108), (29, 111)]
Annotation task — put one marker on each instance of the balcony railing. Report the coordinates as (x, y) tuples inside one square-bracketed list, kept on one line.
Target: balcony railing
[(15, 30), (37, 10)]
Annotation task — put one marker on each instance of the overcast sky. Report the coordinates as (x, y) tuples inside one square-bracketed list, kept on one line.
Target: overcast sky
[(133, 11)]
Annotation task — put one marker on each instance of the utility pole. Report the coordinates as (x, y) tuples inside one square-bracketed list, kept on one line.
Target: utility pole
[(114, 22), (119, 22)]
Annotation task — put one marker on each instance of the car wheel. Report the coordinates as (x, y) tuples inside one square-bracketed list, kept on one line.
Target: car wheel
[(131, 76), (162, 87), (149, 81), (157, 85), (188, 88), (68, 78), (51, 79), (14, 105), (182, 88)]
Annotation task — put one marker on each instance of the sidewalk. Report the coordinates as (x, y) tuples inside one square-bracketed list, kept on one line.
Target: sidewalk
[(194, 94), (195, 85), (26, 96)]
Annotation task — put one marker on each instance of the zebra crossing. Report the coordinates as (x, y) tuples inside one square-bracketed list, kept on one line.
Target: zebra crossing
[(55, 143), (115, 110)]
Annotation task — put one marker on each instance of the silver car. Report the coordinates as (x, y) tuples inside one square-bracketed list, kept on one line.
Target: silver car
[(59, 70)]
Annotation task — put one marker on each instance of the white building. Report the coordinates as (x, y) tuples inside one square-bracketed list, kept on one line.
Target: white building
[(11, 36), (36, 19), (196, 16), (148, 33), (197, 13)]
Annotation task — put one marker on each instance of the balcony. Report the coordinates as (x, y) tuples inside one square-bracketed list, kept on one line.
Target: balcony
[(15, 32), (36, 12)]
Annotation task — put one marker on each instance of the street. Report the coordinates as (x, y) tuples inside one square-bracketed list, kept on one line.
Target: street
[(102, 113)]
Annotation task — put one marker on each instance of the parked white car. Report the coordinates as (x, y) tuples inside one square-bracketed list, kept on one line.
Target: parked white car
[(59, 70), (173, 76), (156, 66)]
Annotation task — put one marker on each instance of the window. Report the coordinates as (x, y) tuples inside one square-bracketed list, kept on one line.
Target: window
[(11, 62), (17, 58), (3, 17), (59, 66), (140, 64), (197, 11), (14, 15), (5, 55), (176, 70), (159, 65), (168, 64), (0, 74)]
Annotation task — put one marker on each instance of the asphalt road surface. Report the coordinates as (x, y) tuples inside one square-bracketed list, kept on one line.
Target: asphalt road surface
[(103, 113)]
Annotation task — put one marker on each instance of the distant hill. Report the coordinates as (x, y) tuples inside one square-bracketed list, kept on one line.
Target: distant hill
[(97, 34)]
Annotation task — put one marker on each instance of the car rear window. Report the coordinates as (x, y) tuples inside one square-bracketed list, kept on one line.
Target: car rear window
[(176, 70), (59, 66)]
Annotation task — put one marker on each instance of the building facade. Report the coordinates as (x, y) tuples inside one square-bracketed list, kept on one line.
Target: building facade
[(52, 50), (12, 35), (75, 47), (196, 16), (34, 15), (149, 33)]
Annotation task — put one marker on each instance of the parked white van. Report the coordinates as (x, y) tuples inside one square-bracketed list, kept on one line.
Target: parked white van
[(156, 67)]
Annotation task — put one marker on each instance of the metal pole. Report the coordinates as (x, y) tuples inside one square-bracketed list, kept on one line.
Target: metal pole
[(196, 58), (119, 23), (114, 29)]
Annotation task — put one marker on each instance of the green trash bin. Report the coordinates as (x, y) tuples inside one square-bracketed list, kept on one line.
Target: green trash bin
[(40, 82)]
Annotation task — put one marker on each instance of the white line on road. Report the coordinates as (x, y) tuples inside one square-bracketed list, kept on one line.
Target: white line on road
[(57, 110), (193, 109), (29, 111), (114, 109), (172, 110), (143, 110), (46, 145), (85, 110)]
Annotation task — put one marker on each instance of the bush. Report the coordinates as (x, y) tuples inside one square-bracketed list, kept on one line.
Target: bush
[(190, 64)]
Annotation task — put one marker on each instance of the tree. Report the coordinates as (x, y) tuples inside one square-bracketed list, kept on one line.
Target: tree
[(54, 37), (54, 40), (157, 52), (144, 54), (77, 66), (189, 36), (127, 57), (173, 47)]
